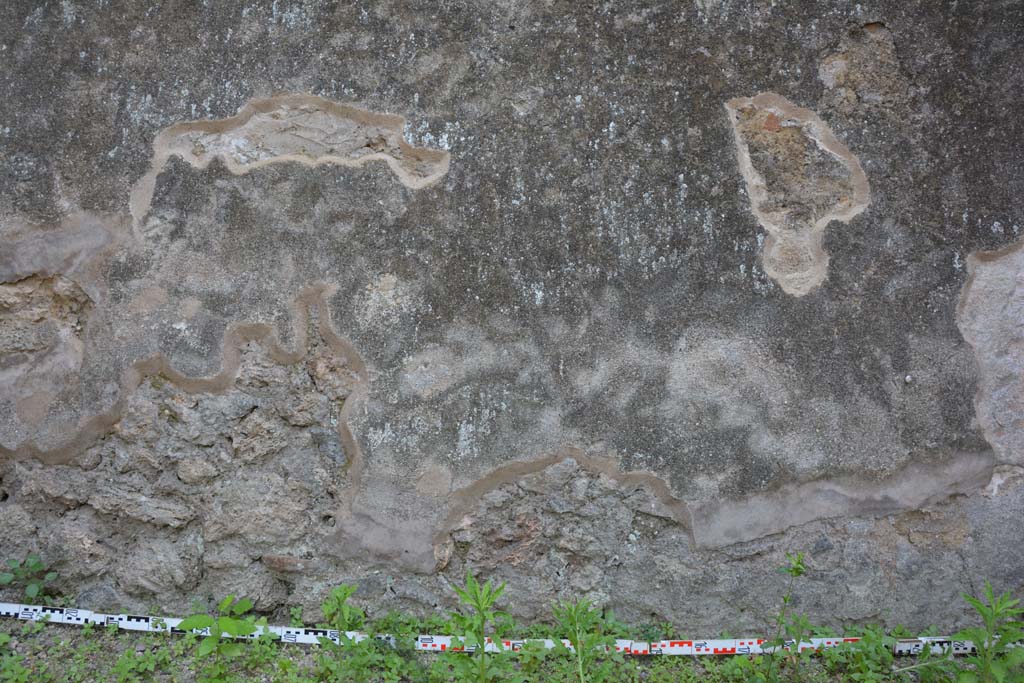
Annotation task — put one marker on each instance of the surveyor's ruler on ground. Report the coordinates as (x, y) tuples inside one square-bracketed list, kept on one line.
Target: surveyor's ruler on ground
[(429, 643)]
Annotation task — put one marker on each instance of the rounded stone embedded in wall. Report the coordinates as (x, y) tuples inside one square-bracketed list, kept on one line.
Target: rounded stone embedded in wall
[(288, 564), (89, 459), (195, 470)]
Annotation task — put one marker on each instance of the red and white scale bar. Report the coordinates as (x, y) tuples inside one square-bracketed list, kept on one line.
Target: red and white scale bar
[(311, 636)]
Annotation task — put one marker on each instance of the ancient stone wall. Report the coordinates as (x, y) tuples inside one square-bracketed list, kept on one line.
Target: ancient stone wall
[(615, 300)]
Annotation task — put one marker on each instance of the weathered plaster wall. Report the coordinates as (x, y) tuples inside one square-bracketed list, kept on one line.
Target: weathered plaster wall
[(617, 300)]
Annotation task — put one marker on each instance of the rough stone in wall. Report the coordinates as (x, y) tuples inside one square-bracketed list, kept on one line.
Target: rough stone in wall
[(242, 481), (574, 528), (621, 301), (563, 531)]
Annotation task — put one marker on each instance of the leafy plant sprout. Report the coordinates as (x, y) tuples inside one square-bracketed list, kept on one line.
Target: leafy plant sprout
[(795, 569), (586, 655), (581, 621), (339, 613), (30, 573), (994, 661), (228, 622), (480, 599)]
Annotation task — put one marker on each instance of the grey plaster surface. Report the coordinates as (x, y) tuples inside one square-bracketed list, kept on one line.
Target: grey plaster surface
[(299, 292)]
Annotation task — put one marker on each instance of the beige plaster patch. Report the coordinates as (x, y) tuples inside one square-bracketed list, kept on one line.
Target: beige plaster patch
[(990, 316)]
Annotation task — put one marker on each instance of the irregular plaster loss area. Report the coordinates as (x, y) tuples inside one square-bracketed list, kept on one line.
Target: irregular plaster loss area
[(799, 178), (581, 360), (41, 343), (139, 305), (190, 442), (297, 128), (209, 484), (991, 318)]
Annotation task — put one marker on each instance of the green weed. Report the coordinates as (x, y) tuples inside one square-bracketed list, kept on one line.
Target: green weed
[(339, 613), (787, 628), (405, 626), (214, 649), (367, 661), (994, 661), (593, 649), (868, 660), (32, 575), (590, 658), (480, 667), (13, 668), (261, 653), (132, 667)]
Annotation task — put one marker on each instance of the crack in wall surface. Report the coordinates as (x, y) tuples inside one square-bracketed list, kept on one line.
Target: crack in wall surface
[(465, 499), (305, 129), (721, 523), (799, 178)]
